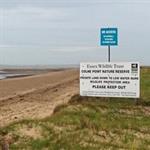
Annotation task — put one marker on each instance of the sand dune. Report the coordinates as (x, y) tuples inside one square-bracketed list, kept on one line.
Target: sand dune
[(36, 96)]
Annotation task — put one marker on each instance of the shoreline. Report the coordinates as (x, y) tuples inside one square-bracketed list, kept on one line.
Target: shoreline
[(17, 76), (12, 76), (18, 73)]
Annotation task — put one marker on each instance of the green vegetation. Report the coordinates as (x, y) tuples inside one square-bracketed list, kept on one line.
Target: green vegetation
[(145, 85), (88, 123)]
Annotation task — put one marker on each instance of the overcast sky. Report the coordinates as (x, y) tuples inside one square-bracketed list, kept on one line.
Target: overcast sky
[(45, 32)]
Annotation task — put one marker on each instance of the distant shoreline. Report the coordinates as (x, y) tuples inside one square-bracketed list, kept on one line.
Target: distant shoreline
[(16, 76), (39, 67), (18, 73)]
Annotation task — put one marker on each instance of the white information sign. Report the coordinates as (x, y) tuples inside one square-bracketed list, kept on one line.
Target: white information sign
[(110, 79)]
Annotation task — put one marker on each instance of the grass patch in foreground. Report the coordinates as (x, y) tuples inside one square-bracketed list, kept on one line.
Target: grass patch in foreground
[(85, 123)]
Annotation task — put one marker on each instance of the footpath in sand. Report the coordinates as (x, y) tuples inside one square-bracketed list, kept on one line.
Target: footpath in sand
[(36, 96)]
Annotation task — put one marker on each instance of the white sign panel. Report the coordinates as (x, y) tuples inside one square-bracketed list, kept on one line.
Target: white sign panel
[(110, 79)]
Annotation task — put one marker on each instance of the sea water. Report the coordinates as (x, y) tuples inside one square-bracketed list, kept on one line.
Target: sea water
[(4, 75)]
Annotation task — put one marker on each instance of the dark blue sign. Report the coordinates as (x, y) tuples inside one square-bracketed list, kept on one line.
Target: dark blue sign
[(109, 36)]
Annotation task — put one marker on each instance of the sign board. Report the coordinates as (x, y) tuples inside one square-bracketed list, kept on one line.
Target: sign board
[(109, 36), (110, 79)]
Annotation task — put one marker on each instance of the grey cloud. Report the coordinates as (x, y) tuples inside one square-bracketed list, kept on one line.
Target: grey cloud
[(64, 31), (64, 3), (45, 3)]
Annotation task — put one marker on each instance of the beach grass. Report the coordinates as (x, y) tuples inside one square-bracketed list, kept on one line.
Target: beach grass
[(88, 123)]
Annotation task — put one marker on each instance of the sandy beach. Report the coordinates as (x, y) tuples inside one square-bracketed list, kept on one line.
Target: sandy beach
[(36, 96)]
